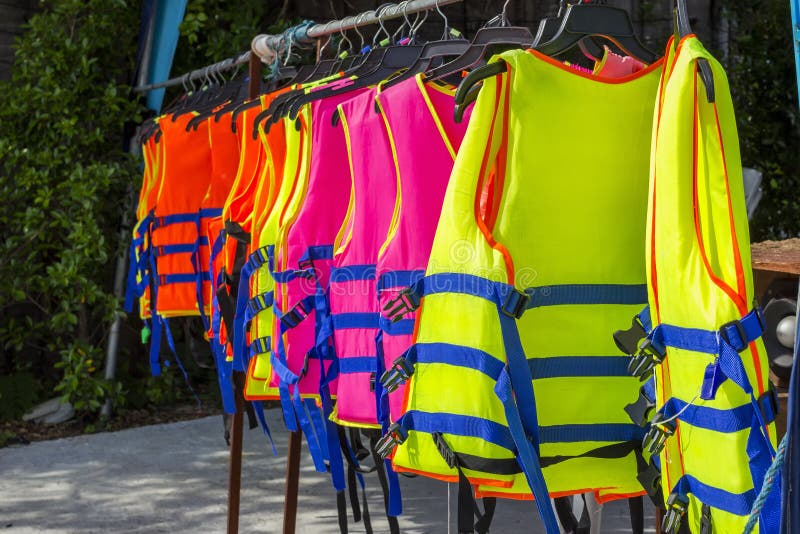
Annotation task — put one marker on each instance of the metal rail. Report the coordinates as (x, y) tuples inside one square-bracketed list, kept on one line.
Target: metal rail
[(198, 74)]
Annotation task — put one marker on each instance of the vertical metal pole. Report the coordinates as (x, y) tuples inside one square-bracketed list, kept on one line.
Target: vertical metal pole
[(235, 465)]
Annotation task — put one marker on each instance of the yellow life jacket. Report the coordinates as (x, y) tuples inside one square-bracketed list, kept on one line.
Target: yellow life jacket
[(715, 408), (259, 375), (559, 231)]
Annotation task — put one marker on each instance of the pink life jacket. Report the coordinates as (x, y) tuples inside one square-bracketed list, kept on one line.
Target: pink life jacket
[(425, 139), (303, 257), (353, 298)]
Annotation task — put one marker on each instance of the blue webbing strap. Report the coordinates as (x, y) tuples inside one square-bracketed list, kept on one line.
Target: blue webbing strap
[(171, 344), (726, 343), (367, 320), (352, 273), (258, 408), (138, 263), (396, 279), (224, 367), (240, 349), (587, 294), (395, 506), (734, 503)]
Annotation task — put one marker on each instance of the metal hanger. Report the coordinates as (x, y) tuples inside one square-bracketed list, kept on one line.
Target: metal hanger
[(683, 28)]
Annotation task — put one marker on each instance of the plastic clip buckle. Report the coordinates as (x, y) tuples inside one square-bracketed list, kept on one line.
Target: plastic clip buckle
[(516, 303), (650, 479), (628, 340), (644, 361), (394, 436), (657, 436), (400, 371), (639, 411), (770, 398), (293, 317), (406, 301), (306, 269), (724, 334), (676, 508)]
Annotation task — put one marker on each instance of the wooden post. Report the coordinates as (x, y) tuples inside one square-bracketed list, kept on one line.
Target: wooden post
[(292, 482), (235, 464)]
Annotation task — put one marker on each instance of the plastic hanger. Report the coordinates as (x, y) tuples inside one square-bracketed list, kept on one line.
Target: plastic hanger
[(449, 44), (584, 20), (487, 42), (683, 28)]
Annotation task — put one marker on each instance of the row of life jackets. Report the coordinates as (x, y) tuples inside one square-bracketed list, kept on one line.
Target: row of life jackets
[(450, 290)]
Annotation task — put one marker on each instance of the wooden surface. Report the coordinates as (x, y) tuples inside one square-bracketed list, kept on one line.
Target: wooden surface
[(777, 256)]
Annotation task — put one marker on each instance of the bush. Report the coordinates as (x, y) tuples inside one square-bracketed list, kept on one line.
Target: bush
[(65, 179)]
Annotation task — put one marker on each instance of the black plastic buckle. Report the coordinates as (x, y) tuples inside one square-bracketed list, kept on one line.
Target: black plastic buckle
[(258, 303), (676, 508), (650, 479), (628, 340), (306, 269), (723, 332), (444, 449), (639, 411), (304, 370), (762, 321), (372, 382), (657, 436), (516, 303), (771, 397), (643, 362), (294, 316), (258, 258), (406, 301), (394, 436), (400, 371), (260, 345)]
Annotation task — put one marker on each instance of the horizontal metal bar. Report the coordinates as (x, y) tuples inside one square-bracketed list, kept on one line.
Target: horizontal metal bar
[(266, 46), (197, 74)]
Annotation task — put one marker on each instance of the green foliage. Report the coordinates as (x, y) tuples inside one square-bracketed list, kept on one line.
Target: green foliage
[(65, 177), (18, 394), (762, 78)]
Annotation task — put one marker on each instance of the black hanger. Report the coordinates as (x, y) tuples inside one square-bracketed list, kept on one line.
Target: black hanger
[(487, 42), (549, 26), (683, 28), (583, 20), (394, 59), (431, 51)]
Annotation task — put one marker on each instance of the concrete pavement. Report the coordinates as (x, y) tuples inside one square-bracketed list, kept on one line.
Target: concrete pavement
[(173, 478)]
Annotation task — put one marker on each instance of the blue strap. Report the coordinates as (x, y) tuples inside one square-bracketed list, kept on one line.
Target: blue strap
[(587, 294), (358, 364), (527, 456), (166, 220), (219, 244), (578, 366), (182, 278), (726, 421), (457, 355), (300, 409), (319, 426), (343, 321), (138, 260), (644, 318), (258, 408), (240, 349), (403, 327), (155, 346), (207, 213), (131, 286), (610, 432), (352, 273), (734, 503), (317, 252), (393, 279), (458, 425)]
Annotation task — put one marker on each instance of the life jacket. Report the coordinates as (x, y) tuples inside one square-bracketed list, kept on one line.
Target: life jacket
[(559, 250), (237, 216), (224, 165), (424, 139), (709, 389), (260, 384), (353, 296), (138, 281)]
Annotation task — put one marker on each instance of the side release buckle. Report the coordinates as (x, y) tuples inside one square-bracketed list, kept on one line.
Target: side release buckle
[(639, 411), (294, 316), (400, 371), (516, 303), (676, 508), (645, 360), (628, 340), (444, 449), (656, 437), (406, 301), (650, 479), (395, 435), (306, 269)]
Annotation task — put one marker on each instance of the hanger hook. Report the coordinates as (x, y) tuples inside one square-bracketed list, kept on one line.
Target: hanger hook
[(355, 29), (504, 16), (379, 14), (344, 38), (328, 41), (402, 6), (446, 29), (418, 25)]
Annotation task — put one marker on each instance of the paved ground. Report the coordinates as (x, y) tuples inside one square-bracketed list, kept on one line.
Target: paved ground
[(173, 478)]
